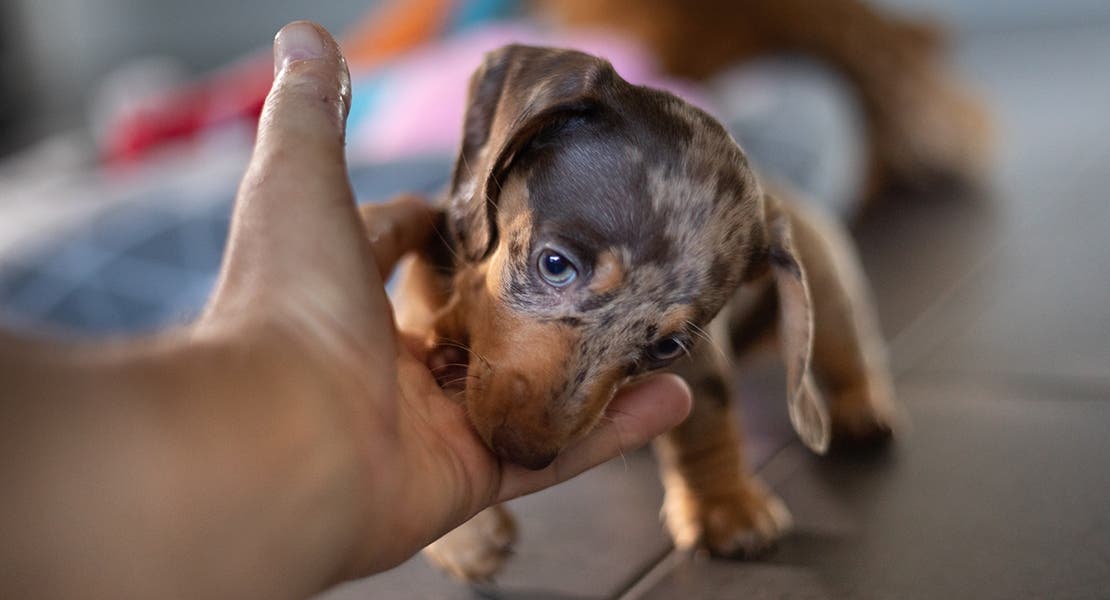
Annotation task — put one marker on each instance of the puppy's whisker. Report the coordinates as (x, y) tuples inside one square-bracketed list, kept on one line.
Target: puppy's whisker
[(447, 366), (685, 349), (466, 164), (447, 244), (701, 333), (617, 432), (453, 344), (461, 394), (465, 348), (463, 375), (458, 380)]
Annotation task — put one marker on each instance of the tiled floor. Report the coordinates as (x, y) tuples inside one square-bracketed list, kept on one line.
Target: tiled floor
[(996, 308)]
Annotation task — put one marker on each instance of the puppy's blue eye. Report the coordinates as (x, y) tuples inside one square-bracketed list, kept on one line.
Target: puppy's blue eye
[(556, 269), (667, 348)]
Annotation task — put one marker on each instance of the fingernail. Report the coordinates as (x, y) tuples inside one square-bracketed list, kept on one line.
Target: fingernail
[(298, 41)]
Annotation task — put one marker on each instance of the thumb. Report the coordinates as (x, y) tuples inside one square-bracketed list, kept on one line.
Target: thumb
[(295, 228), (305, 113)]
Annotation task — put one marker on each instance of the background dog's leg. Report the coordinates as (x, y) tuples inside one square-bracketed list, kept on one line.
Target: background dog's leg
[(711, 498), (475, 550), (849, 356)]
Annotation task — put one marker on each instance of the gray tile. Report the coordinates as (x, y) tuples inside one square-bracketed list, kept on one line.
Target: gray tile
[(705, 579), (413, 580), (1013, 285), (1039, 309), (917, 249), (998, 492)]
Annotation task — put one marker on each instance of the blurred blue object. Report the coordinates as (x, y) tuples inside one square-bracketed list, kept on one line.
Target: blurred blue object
[(144, 266)]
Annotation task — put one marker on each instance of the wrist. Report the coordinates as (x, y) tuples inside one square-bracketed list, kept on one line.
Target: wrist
[(276, 468), (202, 466)]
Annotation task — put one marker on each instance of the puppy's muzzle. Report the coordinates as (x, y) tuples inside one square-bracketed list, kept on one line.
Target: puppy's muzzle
[(513, 415), (508, 443)]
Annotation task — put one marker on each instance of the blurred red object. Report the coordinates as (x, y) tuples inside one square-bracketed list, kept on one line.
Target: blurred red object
[(236, 94)]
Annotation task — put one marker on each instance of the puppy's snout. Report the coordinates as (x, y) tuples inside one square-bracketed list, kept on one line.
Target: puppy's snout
[(512, 446)]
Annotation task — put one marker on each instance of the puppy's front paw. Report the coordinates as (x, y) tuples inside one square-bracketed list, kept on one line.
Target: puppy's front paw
[(476, 550), (740, 523)]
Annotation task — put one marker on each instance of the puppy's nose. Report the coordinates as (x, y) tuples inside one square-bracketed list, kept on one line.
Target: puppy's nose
[(509, 444)]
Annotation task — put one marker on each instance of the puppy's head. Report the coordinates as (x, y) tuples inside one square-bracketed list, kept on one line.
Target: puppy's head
[(599, 225)]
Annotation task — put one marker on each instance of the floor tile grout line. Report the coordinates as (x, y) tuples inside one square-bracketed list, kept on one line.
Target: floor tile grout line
[(650, 577), (1087, 389), (782, 464)]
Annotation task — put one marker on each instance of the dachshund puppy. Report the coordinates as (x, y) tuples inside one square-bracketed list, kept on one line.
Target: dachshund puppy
[(598, 231)]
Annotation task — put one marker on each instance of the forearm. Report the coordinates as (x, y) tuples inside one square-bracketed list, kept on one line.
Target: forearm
[(143, 468)]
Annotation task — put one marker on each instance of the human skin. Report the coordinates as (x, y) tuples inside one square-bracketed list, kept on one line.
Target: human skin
[(290, 438)]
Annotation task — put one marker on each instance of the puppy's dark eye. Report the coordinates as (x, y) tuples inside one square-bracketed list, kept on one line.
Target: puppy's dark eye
[(556, 269), (667, 348)]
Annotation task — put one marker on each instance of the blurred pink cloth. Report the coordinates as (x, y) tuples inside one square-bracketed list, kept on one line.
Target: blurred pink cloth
[(414, 106)]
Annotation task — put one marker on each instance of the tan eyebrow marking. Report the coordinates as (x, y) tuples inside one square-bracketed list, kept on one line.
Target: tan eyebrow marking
[(608, 272), (675, 319)]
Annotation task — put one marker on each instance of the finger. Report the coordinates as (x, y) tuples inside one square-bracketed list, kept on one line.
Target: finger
[(303, 122), (299, 158), (296, 187), (638, 414), (395, 228), (295, 231)]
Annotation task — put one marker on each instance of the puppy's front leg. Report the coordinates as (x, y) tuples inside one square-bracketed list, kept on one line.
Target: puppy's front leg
[(476, 550), (712, 499)]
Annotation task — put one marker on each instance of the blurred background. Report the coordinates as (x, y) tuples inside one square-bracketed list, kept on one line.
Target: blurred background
[(965, 142), (54, 53), (151, 104)]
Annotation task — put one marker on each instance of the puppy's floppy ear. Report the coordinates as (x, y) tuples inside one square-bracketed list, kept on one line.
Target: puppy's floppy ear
[(808, 412), (515, 94)]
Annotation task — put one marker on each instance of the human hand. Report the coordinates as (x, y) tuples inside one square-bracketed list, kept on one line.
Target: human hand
[(303, 279)]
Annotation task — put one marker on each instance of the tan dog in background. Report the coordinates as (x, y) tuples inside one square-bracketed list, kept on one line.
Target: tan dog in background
[(599, 231), (924, 127)]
